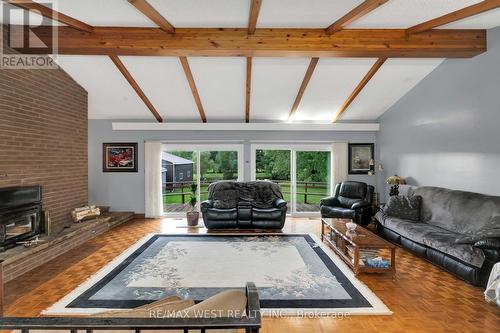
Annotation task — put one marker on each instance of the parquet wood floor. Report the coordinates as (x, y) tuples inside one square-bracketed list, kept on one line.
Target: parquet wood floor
[(424, 298)]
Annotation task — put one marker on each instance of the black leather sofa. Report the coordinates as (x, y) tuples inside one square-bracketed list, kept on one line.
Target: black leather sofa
[(445, 215), (244, 205), (352, 200)]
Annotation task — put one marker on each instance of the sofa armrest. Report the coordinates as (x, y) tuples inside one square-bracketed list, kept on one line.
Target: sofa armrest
[(360, 204), (205, 205), (488, 244), (279, 203), (331, 201)]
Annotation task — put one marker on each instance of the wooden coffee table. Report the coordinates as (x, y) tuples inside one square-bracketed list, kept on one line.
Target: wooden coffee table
[(348, 245)]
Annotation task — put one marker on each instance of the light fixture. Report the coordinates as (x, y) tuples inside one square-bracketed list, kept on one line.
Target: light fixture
[(373, 163)]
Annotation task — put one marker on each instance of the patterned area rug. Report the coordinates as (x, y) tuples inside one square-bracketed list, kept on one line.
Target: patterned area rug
[(295, 274)]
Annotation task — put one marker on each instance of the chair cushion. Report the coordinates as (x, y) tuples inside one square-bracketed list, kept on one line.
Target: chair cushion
[(404, 207), (221, 214), (348, 202), (337, 212), (355, 190), (167, 305)]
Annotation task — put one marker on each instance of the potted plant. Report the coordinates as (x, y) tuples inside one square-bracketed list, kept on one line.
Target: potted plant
[(193, 216)]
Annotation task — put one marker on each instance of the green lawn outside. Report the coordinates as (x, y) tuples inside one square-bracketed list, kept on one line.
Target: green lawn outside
[(313, 197)]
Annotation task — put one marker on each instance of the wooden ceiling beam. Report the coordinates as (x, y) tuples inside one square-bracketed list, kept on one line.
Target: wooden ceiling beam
[(460, 14), (121, 67), (148, 10), (192, 85), (303, 86), (373, 70), (254, 14), (366, 7), (248, 89), (51, 14), (372, 43)]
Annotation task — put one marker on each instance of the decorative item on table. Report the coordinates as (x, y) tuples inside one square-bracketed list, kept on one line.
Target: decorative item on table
[(377, 262), (85, 213), (360, 155), (193, 215), (351, 226), (395, 181), (119, 157)]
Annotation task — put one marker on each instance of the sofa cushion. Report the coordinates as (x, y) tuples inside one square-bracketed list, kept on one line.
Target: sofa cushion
[(266, 214), (225, 204), (222, 214), (409, 229), (490, 230), (337, 212), (458, 211), (445, 242), (404, 207), (434, 237)]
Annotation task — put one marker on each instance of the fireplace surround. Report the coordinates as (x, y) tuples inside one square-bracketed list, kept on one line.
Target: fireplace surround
[(20, 214)]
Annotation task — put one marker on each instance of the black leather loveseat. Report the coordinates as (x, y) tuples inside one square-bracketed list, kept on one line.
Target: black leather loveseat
[(446, 216), (351, 200), (244, 205)]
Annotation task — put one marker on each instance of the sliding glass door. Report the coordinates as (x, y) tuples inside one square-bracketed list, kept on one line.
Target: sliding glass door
[(185, 165), (312, 174), (275, 165), (302, 171)]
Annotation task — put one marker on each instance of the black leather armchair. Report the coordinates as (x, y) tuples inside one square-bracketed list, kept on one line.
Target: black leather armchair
[(244, 205), (352, 200)]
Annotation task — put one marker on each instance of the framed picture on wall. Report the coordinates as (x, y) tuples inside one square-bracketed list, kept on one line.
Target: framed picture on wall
[(119, 157), (360, 155)]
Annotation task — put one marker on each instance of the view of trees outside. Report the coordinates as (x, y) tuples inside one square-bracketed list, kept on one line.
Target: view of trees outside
[(312, 175), (217, 165), (214, 166), (313, 172)]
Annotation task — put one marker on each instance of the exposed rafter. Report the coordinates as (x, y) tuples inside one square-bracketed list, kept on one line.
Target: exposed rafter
[(121, 67), (303, 86), (366, 7), (248, 89), (460, 14), (148, 10), (254, 14), (373, 43), (192, 85), (51, 14), (373, 70)]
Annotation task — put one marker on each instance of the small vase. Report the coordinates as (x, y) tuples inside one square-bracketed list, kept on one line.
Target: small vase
[(192, 218)]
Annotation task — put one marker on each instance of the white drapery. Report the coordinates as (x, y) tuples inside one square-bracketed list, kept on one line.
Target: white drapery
[(153, 186), (340, 162)]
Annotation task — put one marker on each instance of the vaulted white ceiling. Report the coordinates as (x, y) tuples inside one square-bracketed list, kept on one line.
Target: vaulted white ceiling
[(275, 81)]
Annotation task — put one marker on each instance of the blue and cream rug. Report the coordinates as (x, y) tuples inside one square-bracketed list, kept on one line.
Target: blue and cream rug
[(295, 273)]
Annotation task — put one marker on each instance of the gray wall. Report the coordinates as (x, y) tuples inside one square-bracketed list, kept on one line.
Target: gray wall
[(446, 131), (125, 191)]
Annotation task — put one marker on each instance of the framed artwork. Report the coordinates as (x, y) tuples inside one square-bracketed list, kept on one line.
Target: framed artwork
[(119, 157), (360, 155)]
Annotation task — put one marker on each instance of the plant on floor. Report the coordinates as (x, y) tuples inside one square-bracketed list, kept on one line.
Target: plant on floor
[(193, 215)]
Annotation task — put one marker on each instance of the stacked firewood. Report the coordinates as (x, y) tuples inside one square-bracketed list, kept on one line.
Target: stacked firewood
[(85, 213)]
